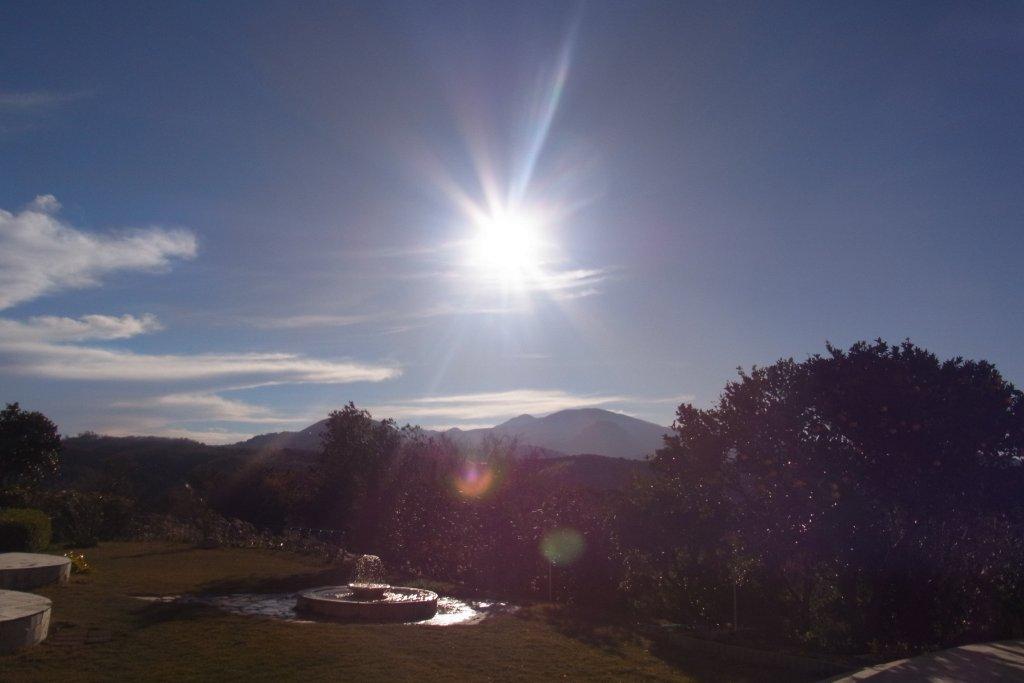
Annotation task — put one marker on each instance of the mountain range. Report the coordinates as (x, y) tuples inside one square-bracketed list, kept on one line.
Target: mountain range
[(566, 432)]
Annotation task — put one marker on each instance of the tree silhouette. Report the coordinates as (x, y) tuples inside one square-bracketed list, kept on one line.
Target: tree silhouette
[(874, 490), (29, 447), (356, 455)]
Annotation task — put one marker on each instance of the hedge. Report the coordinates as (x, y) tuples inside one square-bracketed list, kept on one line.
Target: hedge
[(24, 529), (79, 518)]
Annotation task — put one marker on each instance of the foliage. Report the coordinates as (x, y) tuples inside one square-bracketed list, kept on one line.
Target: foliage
[(145, 468), (481, 518), (29, 447), (79, 518), (869, 494), (24, 529), (272, 493), (357, 453), (79, 565)]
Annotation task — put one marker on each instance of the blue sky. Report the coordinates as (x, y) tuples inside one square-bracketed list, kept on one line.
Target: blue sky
[(221, 219)]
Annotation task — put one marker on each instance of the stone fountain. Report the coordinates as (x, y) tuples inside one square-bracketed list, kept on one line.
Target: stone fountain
[(368, 598)]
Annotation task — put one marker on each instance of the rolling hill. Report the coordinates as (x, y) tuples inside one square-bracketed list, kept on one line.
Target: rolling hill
[(566, 432)]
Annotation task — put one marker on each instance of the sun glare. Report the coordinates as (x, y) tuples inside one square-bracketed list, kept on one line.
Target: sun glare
[(507, 246)]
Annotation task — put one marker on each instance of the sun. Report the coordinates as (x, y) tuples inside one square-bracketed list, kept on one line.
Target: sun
[(507, 245)]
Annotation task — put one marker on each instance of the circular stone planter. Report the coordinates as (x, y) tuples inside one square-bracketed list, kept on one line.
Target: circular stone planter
[(31, 570), (24, 620), (398, 604)]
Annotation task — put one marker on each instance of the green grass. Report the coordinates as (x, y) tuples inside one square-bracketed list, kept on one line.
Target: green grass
[(184, 642)]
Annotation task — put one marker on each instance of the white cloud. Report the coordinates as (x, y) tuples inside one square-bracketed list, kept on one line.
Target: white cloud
[(552, 274), (390, 318), (45, 203), (311, 320), (73, 362), (547, 278), (41, 254), (208, 436), (465, 426), (572, 280), (210, 407), (481, 406), (48, 328)]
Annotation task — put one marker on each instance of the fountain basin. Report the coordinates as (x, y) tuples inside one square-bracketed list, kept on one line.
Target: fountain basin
[(368, 591), (341, 603)]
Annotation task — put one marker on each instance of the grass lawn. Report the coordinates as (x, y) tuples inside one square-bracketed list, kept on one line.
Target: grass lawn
[(100, 632)]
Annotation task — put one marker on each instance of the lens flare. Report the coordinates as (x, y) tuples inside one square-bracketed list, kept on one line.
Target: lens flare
[(562, 547), (474, 480)]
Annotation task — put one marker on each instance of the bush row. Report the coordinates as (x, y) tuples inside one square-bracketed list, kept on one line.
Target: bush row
[(79, 518), (24, 530)]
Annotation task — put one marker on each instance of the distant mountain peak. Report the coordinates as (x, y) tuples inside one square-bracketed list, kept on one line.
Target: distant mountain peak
[(564, 432), (577, 430), (517, 422)]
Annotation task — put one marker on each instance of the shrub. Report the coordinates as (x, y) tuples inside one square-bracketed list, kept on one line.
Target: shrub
[(23, 529), (79, 565)]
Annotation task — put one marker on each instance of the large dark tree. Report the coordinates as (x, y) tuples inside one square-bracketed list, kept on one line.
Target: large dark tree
[(876, 492), (356, 456), (29, 447)]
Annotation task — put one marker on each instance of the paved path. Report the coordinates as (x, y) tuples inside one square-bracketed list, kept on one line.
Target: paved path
[(982, 663)]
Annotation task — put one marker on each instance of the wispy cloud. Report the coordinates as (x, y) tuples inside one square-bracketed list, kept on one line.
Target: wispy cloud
[(47, 346), (392, 318), (443, 427), (48, 328), (452, 261), (489, 406), (41, 254), (37, 99), (550, 278), (158, 428), (51, 347), (310, 320), (209, 407), (572, 284), (72, 362)]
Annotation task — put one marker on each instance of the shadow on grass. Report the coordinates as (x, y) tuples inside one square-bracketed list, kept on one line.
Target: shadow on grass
[(612, 635), (588, 627), (157, 613), (714, 667)]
